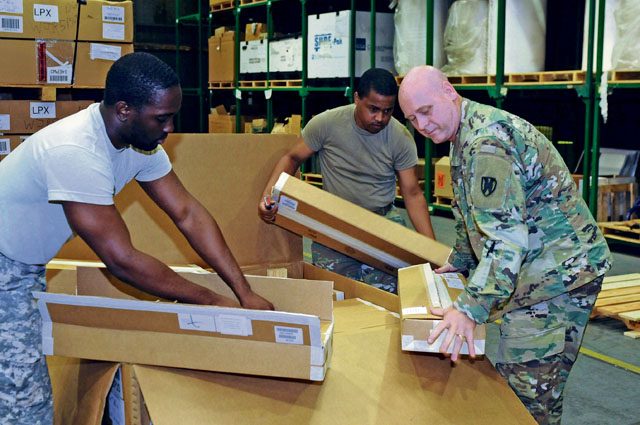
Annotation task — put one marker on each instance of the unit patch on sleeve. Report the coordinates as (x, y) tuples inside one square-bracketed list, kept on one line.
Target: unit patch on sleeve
[(490, 180)]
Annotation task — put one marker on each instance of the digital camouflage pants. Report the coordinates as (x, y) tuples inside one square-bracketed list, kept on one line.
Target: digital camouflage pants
[(344, 265), (25, 389), (539, 345)]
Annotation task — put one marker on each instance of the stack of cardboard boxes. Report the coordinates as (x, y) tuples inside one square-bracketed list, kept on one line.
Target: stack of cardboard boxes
[(222, 56), (48, 41)]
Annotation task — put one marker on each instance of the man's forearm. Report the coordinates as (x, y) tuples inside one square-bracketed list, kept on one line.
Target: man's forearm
[(286, 164), (419, 214)]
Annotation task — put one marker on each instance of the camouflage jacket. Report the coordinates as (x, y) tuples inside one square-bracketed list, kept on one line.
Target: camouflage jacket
[(523, 231)]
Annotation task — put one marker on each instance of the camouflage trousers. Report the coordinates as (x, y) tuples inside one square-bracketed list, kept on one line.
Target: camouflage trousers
[(25, 389), (327, 258), (539, 345)]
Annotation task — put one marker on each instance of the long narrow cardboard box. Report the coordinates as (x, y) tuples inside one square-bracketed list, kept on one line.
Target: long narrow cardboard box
[(105, 323), (350, 229), (420, 290)]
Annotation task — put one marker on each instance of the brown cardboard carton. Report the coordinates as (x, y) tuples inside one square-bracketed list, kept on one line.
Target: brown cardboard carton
[(29, 116), (223, 123), (107, 321), (9, 142), (442, 179), (350, 229), (36, 62), (420, 290), (254, 31), (93, 61), (49, 19), (222, 53), (108, 21)]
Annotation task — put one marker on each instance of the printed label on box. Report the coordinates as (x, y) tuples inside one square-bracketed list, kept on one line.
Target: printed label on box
[(113, 31), (11, 6), (11, 24), (5, 122), (59, 74), (197, 322), (287, 335), (228, 324), (286, 202), (106, 52), (414, 310), (5, 146), (452, 280), (45, 13), (42, 110), (113, 14)]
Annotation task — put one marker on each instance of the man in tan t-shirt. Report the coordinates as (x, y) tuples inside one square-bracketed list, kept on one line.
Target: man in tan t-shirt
[(361, 150)]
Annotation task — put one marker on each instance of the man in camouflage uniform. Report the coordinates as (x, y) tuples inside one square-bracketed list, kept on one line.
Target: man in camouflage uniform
[(361, 149), (534, 254)]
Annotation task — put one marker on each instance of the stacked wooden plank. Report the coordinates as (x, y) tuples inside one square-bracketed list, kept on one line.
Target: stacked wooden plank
[(620, 299)]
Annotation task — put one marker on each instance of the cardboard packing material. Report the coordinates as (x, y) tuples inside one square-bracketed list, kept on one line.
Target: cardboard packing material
[(285, 55), (350, 229), (253, 57), (254, 31), (106, 322), (442, 179), (36, 62), (222, 54), (54, 19), (420, 290), (29, 116), (108, 21), (93, 61), (9, 142)]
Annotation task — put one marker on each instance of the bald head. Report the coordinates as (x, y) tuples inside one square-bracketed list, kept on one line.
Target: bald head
[(431, 103)]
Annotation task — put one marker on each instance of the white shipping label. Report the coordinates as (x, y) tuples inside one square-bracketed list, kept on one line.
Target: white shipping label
[(59, 74), (11, 6), (288, 203), (228, 324), (113, 14), (287, 335), (113, 31), (45, 13), (5, 146), (5, 122), (453, 281), (414, 310), (197, 322), (42, 110), (104, 51), (11, 24)]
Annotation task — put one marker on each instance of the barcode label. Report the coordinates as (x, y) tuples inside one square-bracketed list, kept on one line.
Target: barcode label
[(113, 14), (113, 31), (11, 24), (59, 74), (5, 147)]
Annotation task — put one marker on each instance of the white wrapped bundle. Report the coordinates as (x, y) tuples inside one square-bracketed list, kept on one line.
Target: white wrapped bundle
[(465, 38)]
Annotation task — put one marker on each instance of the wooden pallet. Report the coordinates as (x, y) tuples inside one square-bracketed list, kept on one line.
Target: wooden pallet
[(44, 93), (220, 84), (314, 179), (285, 83), (627, 231), (243, 2), (620, 299), (442, 201), (631, 76), (253, 84), (546, 77), (221, 5), (472, 79)]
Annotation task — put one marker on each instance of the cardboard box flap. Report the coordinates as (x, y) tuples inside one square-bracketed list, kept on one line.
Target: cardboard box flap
[(291, 295), (422, 290), (226, 173), (355, 229)]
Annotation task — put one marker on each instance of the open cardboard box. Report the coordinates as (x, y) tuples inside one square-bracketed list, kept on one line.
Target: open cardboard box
[(420, 290), (350, 229), (109, 320)]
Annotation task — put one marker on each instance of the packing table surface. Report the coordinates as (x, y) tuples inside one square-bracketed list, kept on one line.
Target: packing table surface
[(370, 381)]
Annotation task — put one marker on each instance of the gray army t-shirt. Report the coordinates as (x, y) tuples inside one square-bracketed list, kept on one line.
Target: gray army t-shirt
[(356, 165)]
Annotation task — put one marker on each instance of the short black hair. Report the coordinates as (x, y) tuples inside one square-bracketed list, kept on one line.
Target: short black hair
[(136, 77), (378, 79)]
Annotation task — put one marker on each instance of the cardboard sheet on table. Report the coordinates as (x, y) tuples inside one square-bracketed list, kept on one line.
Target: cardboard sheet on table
[(370, 382)]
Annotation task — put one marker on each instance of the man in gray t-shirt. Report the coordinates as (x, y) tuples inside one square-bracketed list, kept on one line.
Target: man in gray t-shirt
[(361, 149)]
